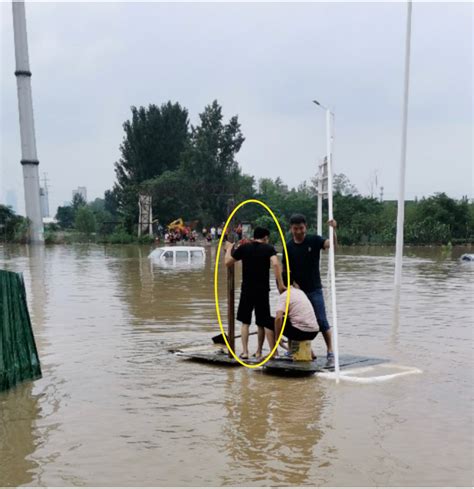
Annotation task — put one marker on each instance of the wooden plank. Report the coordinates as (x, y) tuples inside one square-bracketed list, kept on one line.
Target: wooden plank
[(283, 367), (289, 367), (231, 308), (216, 357)]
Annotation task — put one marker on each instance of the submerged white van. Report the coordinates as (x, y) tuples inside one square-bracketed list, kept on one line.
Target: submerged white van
[(178, 254)]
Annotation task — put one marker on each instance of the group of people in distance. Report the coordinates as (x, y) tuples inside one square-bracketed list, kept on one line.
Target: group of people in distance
[(306, 311), (214, 233), (177, 235)]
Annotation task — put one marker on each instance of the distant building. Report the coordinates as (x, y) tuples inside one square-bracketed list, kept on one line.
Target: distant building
[(11, 200), (82, 191), (49, 220)]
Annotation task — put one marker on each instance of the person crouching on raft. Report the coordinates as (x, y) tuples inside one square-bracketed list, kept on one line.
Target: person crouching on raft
[(301, 324), (256, 257)]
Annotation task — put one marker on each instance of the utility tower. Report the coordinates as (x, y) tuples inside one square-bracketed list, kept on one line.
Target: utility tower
[(29, 159), (145, 216), (44, 197)]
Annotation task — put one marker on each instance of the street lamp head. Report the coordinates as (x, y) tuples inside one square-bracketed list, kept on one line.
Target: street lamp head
[(316, 102)]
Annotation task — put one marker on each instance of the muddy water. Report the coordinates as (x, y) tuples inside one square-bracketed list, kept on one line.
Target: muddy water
[(115, 408)]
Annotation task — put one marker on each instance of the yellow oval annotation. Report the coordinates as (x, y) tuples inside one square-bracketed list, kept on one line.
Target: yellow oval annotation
[(216, 281)]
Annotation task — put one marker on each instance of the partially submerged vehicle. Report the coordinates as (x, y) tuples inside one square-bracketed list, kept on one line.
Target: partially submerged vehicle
[(178, 255)]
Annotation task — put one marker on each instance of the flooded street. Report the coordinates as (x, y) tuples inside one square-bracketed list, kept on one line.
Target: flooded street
[(115, 408)]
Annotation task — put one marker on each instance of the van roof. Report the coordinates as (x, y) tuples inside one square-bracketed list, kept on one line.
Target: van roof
[(181, 248)]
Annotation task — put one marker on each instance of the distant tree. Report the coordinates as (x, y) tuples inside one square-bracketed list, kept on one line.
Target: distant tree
[(342, 185), (12, 226), (210, 162), (438, 219), (78, 201), (111, 202), (173, 196), (359, 219), (104, 219), (65, 216), (85, 221), (155, 138)]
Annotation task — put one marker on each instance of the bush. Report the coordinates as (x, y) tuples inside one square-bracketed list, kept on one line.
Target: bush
[(85, 221), (146, 239)]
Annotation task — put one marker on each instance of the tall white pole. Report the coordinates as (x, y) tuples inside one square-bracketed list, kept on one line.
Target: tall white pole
[(29, 159), (332, 268), (320, 204), (401, 193)]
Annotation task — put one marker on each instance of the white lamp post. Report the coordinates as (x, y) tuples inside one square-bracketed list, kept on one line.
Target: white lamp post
[(332, 270)]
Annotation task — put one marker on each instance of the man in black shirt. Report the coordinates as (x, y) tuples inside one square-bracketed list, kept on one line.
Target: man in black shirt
[(304, 251), (256, 258)]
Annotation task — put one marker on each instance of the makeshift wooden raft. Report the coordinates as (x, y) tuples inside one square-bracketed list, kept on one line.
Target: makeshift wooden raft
[(217, 356), (217, 353)]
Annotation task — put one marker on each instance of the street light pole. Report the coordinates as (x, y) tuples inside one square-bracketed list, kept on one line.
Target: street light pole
[(332, 269)]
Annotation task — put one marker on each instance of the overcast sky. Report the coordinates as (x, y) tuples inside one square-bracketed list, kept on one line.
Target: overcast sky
[(264, 62)]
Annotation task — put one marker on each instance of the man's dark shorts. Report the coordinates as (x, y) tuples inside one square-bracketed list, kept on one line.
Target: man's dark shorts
[(316, 297), (258, 301), (295, 334)]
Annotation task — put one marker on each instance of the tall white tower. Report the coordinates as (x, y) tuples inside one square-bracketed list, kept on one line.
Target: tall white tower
[(29, 159)]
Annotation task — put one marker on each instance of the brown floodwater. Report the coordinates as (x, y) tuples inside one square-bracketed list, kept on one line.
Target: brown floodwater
[(114, 407)]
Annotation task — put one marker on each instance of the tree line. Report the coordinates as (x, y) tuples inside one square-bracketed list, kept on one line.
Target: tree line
[(192, 172)]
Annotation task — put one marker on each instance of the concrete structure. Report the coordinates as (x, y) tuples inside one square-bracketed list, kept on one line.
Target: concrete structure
[(145, 215), (29, 158)]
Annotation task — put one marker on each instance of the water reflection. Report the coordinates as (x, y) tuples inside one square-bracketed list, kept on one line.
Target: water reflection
[(164, 298), (19, 438), (273, 428)]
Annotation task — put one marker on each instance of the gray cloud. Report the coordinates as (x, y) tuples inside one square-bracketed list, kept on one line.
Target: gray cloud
[(265, 62)]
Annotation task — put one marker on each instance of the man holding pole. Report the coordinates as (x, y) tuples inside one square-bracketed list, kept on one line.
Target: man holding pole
[(256, 258), (304, 251)]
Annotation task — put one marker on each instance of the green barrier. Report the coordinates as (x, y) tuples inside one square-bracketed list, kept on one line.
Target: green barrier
[(18, 355)]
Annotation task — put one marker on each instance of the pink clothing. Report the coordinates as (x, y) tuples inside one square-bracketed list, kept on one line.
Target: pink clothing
[(300, 311)]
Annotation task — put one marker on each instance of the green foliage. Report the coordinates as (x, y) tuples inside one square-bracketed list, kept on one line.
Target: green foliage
[(22, 231), (208, 176), (51, 237), (120, 236), (65, 216), (359, 219), (104, 219), (85, 221), (12, 226), (111, 202), (78, 201), (342, 185), (210, 165), (155, 139), (146, 239), (439, 219)]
